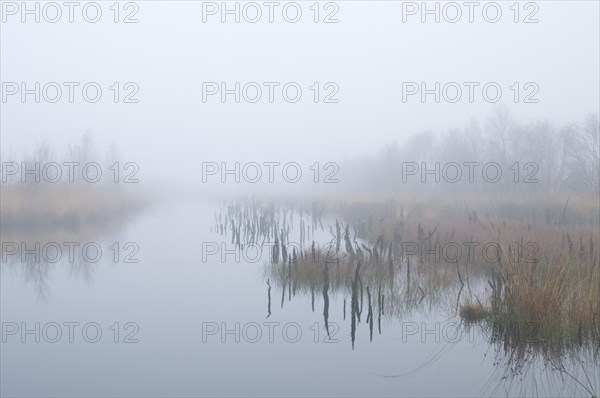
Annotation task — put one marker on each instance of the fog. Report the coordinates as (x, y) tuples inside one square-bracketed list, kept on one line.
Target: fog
[(368, 54), (409, 191)]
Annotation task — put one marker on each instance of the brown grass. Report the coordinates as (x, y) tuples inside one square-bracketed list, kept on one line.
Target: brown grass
[(545, 288), (473, 312), (67, 207)]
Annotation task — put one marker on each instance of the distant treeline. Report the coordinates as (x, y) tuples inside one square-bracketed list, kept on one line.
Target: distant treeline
[(533, 157), (78, 162)]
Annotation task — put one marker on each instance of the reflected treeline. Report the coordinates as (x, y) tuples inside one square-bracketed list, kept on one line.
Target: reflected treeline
[(36, 242), (34, 256), (50, 209)]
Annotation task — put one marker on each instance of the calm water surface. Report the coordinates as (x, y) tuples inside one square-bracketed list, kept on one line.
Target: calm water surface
[(183, 312)]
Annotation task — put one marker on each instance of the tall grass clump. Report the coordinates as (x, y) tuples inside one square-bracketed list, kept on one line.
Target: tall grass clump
[(552, 304)]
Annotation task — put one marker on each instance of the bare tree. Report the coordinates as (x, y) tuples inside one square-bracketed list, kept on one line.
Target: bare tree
[(82, 152), (583, 156)]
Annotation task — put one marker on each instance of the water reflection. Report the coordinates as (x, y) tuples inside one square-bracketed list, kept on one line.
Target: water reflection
[(393, 286), (36, 239)]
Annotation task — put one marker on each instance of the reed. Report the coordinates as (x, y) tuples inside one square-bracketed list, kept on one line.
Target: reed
[(26, 210), (541, 290)]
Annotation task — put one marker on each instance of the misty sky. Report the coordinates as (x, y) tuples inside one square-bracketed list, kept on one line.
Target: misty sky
[(368, 54)]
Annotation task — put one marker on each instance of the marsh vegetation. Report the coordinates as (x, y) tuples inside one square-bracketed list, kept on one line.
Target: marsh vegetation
[(44, 191), (525, 274), (51, 203)]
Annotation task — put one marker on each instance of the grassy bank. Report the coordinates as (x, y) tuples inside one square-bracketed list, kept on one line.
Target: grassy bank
[(542, 291), (26, 210)]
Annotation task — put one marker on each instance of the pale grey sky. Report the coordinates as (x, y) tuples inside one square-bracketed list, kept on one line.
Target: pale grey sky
[(170, 52)]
